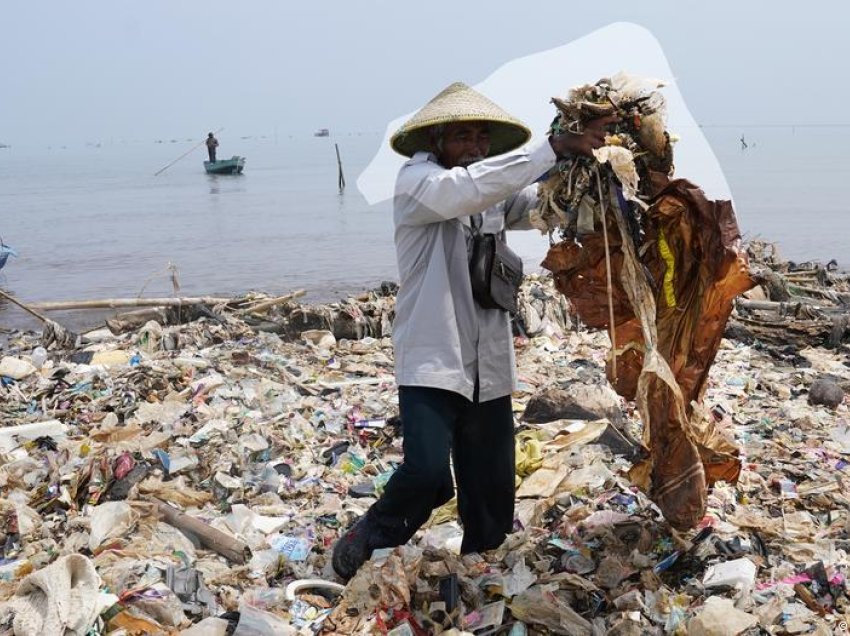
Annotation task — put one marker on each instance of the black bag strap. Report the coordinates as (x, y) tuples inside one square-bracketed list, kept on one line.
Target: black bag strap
[(476, 221)]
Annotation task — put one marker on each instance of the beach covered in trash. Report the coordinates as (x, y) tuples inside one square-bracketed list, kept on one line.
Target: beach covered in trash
[(190, 474)]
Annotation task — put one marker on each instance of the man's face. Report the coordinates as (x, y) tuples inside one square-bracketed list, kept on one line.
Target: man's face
[(464, 143)]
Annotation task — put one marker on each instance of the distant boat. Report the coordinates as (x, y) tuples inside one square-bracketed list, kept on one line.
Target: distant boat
[(234, 165), (5, 146), (322, 132)]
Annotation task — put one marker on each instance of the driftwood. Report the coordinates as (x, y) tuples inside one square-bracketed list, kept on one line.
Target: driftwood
[(791, 308), (825, 294), (217, 541), (343, 320), (788, 332), (113, 303), (265, 305), (177, 315), (799, 324), (806, 307), (184, 312), (132, 320)]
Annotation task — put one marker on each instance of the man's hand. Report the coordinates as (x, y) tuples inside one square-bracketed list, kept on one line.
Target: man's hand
[(591, 138)]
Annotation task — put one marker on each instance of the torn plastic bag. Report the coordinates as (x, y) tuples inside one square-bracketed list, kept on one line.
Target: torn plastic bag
[(670, 308)]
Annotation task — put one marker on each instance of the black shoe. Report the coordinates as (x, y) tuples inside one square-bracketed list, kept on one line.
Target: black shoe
[(353, 549)]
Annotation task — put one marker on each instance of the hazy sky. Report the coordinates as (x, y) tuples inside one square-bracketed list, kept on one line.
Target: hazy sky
[(113, 69)]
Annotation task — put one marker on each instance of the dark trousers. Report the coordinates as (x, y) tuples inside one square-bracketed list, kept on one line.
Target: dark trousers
[(479, 436), (211, 152)]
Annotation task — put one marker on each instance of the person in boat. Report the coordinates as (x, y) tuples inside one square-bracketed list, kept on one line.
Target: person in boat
[(454, 359), (212, 144)]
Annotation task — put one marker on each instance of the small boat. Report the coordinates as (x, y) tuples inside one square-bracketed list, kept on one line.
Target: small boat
[(322, 132), (234, 165)]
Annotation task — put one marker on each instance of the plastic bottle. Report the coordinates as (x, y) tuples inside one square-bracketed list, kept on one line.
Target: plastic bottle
[(39, 357)]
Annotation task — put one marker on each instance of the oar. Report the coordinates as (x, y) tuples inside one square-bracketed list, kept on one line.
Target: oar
[(161, 170), (52, 332)]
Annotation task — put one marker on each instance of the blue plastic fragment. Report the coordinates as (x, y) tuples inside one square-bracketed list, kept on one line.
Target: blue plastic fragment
[(163, 458), (667, 562)]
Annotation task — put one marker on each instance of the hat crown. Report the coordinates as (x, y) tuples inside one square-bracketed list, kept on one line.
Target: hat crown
[(455, 103), (454, 87)]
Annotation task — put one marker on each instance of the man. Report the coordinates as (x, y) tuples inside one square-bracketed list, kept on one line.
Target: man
[(212, 144), (454, 360)]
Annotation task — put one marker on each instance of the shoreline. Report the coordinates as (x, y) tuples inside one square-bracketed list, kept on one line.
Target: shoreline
[(13, 318)]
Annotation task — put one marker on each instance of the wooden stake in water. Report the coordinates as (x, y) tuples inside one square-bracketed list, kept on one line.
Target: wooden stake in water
[(341, 176)]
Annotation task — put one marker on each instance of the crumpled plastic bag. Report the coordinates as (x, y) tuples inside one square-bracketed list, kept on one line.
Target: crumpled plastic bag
[(59, 599), (623, 163), (110, 520), (720, 617), (539, 605), (256, 622), (519, 579), (176, 491), (542, 483), (160, 603), (529, 453), (387, 582), (211, 626)]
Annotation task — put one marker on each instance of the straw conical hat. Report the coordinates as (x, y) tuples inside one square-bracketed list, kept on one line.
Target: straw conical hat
[(456, 103)]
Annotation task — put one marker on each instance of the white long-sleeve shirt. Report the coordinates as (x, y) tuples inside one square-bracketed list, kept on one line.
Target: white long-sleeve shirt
[(442, 337)]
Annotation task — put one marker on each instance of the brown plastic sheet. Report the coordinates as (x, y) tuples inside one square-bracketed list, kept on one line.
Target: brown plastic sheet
[(684, 319)]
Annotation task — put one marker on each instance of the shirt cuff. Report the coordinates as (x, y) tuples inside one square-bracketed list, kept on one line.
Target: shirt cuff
[(540, 152)]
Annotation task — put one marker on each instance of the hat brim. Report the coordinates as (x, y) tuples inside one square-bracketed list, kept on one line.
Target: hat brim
[(504, 136)]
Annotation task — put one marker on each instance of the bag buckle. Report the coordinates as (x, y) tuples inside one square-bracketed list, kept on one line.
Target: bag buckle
[(506, 272)]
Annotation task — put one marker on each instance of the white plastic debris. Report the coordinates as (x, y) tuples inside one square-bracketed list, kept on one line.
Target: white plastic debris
[(15, 368), (110, 520), (738, 572), (720, 617), (11, 437)]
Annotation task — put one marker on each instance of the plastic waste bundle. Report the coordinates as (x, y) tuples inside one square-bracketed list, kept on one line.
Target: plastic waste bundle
[(656, 263)]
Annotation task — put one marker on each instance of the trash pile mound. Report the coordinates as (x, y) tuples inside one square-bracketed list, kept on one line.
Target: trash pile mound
[(190, 475)]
